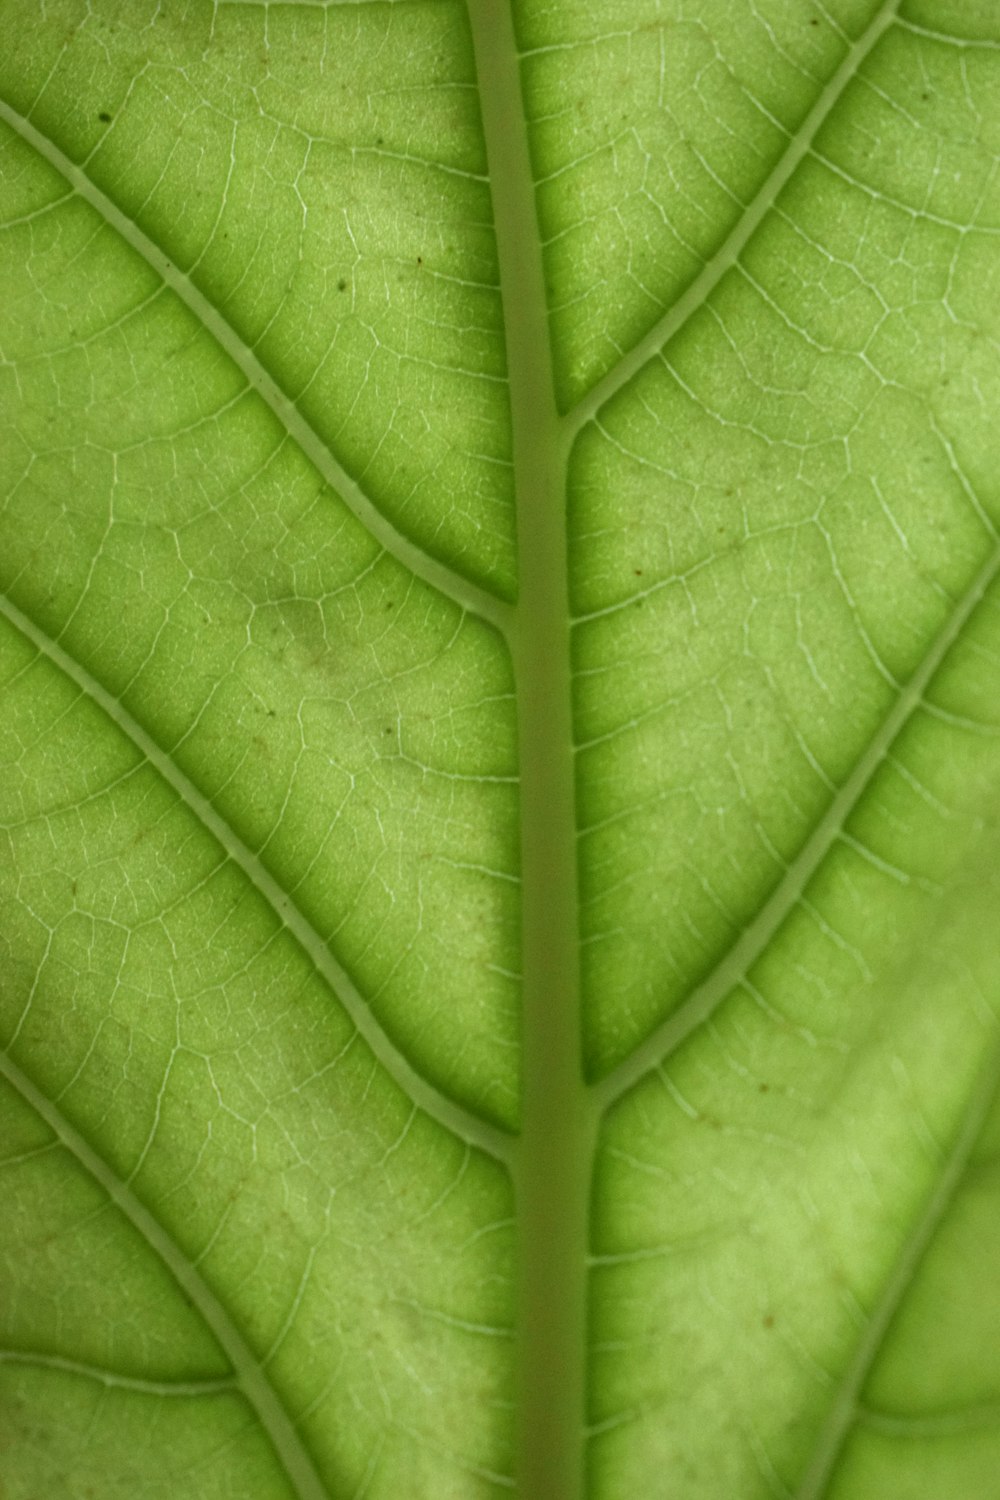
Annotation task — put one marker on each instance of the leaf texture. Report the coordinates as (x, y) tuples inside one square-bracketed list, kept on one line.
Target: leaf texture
[(499, 959)]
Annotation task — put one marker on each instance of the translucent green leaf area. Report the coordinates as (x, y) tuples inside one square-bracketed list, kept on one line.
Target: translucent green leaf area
[(499, 749)]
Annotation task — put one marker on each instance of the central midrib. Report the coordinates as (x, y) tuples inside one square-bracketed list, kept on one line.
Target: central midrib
[(552, 1164)]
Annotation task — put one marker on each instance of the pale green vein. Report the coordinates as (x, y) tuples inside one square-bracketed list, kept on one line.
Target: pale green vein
[(844, 1409), (316, 4), (114, 1380), (930, 1424), (728, 253), (441, 577), (452, 1116), (250, 1375), (981, 43), (753, 941)]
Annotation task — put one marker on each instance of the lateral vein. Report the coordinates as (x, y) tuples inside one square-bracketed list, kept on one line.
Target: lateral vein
[(728, 253), (262, 1395), (429, 569), (844, 1409), (740, 958), (459, 1121)]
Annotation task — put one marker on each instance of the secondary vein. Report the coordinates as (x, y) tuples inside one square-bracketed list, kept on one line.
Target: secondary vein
[(698, 291), (740, 957), (250, 1375), (844, 1410), (447, 1112), (475, 600)]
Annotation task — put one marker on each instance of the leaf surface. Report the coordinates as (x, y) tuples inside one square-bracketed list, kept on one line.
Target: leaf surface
[(499, 638)]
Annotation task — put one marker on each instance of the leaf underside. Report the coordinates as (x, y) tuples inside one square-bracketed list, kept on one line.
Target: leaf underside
[(499, 638)]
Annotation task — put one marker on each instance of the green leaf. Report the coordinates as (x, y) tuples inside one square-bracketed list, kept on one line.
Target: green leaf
[(500, 792)]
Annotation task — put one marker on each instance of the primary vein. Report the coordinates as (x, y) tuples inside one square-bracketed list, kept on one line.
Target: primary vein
[(552, 1167)]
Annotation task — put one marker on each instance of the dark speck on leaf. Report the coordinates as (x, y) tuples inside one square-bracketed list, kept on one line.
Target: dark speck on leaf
[(342, 285), (768, 1320), (104, 117)]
